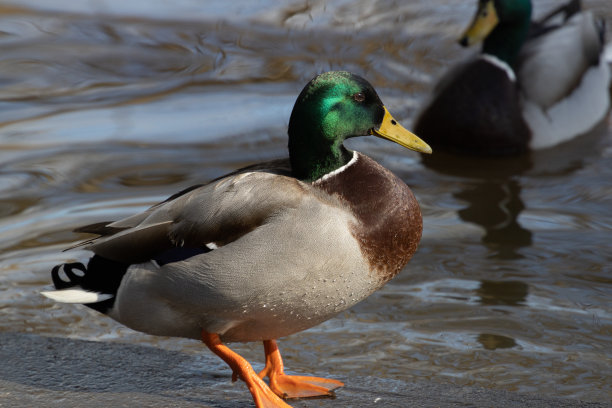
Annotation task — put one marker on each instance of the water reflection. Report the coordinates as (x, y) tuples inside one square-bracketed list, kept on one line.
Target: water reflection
[(504, 293), (495, 341), (492, 187), (500, 293), (496, 205), (493, 195)]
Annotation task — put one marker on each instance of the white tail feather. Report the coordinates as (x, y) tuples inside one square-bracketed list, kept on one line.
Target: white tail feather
[(608, 53), (76, 295)]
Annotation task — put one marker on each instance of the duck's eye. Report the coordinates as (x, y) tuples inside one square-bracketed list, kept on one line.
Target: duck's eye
[(359, 97)]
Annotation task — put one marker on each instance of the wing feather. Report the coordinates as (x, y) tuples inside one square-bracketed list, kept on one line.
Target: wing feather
[(219, 212)]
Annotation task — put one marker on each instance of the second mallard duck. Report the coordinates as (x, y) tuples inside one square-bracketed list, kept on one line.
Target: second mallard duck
[(535, 84)]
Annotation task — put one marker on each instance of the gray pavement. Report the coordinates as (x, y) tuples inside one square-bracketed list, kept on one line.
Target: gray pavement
[(38, 371)]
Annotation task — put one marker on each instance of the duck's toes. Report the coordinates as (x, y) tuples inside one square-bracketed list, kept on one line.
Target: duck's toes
[(295, 386), (263, 396)]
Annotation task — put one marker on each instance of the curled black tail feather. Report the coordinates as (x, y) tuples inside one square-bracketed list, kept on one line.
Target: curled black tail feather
[(73, 278), (101, 275)]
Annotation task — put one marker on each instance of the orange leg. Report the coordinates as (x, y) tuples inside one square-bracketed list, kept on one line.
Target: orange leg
[(262, 395), (293, 386)]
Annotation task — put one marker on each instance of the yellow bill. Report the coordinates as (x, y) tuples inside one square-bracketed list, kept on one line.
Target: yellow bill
[(391, 130), (483, 23)]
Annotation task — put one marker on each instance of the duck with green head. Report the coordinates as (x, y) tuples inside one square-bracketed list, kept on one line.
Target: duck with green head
[(266, 251), (534, 85)]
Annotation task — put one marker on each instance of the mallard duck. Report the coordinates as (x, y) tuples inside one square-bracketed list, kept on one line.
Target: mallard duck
[(533, 86), (266, 251)]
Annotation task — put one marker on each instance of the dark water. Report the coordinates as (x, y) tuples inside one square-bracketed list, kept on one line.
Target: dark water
[(109, 107)]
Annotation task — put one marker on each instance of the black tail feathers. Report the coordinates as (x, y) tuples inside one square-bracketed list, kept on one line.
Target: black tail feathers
[(101, 275), (68, 269)]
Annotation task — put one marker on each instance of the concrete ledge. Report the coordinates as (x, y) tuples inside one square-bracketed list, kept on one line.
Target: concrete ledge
[(41, 371)]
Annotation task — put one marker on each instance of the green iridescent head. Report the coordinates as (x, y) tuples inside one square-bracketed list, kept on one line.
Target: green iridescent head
[(503, 25), (332, 107)]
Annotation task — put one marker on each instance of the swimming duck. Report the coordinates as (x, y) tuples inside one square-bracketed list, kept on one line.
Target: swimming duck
[(266, 251), (533, 86)]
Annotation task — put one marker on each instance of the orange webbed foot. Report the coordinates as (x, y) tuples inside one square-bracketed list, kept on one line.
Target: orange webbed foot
[(263, 396), (293, 386), (296, 386)]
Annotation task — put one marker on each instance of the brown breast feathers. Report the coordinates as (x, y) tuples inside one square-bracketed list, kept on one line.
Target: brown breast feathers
[(389, 218)]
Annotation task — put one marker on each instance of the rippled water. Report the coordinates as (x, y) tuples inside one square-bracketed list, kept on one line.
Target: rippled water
[(108, 107)]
